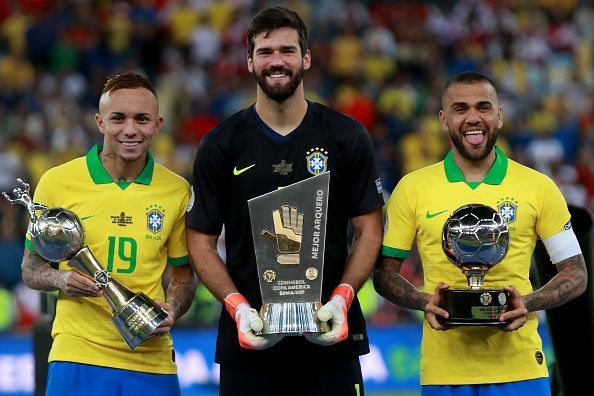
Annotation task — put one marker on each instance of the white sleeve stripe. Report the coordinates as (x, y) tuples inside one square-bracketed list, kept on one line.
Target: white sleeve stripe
[(562, 245)]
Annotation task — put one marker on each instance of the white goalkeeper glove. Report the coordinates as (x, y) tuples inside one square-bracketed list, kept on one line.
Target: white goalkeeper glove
[(334, 312), (248, 323)]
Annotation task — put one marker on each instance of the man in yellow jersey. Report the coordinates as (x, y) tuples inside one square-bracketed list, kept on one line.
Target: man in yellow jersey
[(469, 360), (133, 211)]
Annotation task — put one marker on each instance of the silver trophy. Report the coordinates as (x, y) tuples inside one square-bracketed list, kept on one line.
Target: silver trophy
[(475, 238), (58, 235), (289, 230)]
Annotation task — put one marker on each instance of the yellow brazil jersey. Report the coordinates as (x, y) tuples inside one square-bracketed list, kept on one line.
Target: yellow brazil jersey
[(533, 207), (134, 230)]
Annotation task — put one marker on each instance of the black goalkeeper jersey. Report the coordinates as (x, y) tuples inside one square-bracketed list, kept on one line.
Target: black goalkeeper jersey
[(243, 158)]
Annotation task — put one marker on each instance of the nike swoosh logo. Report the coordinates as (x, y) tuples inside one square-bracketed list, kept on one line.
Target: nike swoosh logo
[(86, 218), (240, 171), (431, 215)]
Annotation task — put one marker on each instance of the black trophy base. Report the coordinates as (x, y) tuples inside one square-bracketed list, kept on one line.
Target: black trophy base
[(474, 307)]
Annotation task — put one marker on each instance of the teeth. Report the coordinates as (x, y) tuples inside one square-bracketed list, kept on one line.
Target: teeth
[(478, 132), (277, 75), (130, 144)]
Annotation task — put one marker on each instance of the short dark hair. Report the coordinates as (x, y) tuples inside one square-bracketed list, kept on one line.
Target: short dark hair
[(276, 18), (467, 77), (127, 80)]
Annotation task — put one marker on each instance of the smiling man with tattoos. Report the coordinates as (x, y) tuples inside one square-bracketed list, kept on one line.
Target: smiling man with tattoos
[(470, 360), (133, 211)]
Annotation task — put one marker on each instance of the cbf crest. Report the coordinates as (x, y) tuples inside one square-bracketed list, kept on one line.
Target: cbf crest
[(317, 160), (154, 219), (508, 209)]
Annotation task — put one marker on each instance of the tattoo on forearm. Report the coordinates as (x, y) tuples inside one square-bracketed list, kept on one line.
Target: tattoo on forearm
[(569, 283), (37, 274), (180, 294), (392, 286)]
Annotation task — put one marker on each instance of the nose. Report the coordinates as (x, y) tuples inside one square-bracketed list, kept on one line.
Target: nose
[(276, 59), (130, 127), (473, 116)]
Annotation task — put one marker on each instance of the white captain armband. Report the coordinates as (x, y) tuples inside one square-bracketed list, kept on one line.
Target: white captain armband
[(562, 245)]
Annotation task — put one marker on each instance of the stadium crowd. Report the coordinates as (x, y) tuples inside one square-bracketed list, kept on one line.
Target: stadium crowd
[(382, 62)]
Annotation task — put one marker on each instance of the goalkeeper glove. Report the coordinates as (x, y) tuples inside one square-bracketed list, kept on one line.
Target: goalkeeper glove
[(248, 323), (334, 312)]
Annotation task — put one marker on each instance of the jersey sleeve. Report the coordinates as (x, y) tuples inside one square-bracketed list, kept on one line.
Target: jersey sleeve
[(554, 214), (365, 184), (177, 248), (400, 228), (206, 212)]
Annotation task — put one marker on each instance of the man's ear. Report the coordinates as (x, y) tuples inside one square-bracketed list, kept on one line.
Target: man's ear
[(250, 64), (499, 118), (443, 122), (307, 60), (99, 122), (158, 124)]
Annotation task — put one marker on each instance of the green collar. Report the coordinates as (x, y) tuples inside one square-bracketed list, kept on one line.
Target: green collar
[(100, 175), (495, 175)]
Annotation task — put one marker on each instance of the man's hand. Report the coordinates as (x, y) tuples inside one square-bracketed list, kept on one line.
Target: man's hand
[(288, 230), (516, 314), (433, 310), (74, 284), (248, 323), (335, 313), (167, 324)]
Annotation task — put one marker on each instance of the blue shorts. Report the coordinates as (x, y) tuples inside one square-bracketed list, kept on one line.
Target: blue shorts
[(67, 378), (533, 387)]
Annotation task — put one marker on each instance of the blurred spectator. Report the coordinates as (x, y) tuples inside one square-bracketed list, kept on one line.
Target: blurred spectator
[(585, 172), (13, 30), (7, 309), (426, 145)]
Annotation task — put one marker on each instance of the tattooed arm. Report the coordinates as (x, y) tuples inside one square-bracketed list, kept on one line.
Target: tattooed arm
[(181, 289), (180, 294), (39, 275), (570, 282), (391, 285)]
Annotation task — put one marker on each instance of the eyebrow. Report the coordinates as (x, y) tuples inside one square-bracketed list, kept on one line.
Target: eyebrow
[(479, 103), (282, 48), (119, 113)]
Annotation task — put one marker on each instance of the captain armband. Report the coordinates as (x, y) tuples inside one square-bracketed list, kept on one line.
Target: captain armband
[(562, 245)]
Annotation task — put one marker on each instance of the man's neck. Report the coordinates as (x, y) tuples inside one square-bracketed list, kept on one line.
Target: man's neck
[(283, 117), (475, 171), (119, 170)]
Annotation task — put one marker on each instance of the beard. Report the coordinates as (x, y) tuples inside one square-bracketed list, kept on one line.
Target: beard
[(280, 92), (473, 156)]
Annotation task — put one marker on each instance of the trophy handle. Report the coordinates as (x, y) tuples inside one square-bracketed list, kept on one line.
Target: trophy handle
[(135, 315), (85, 263)]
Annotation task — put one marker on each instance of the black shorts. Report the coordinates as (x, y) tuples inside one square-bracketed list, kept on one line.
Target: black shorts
[(292, 378)]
